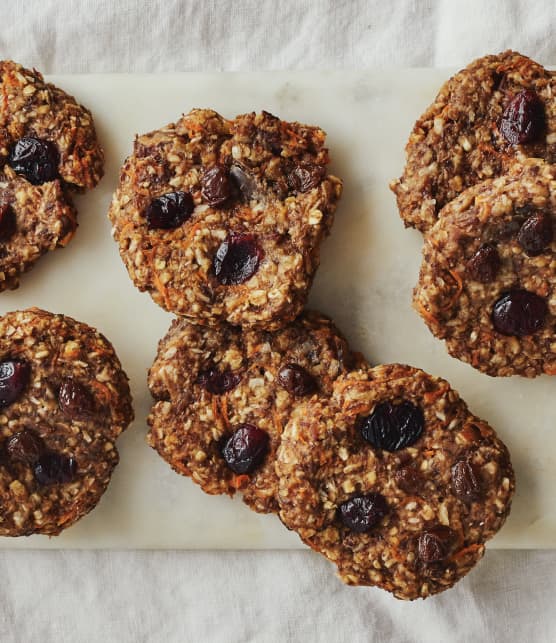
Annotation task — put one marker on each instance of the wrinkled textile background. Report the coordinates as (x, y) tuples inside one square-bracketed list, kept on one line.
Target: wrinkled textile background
[(263, 596)]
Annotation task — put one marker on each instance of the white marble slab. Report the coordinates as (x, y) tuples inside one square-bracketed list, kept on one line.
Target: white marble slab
[(369, 267)]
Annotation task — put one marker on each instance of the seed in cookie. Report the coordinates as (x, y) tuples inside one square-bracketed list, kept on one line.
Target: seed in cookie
[(488, 275), (498, 110), (220, 403), (263, 201), (65, 401), (412, 521)]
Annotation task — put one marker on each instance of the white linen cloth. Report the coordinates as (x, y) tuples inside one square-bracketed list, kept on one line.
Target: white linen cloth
[(263, 596)]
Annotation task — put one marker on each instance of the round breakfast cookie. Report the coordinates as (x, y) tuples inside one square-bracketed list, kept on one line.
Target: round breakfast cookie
[(64, 400), (488, 276), (223, 397), (496, 110), (221, 220), (48, 146), (394, 480)]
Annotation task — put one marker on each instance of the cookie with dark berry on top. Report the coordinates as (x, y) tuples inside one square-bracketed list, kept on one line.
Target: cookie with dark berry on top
[(222, 220), (223, 395), (48, 148), (394, 480), (64, 400), (497, 110), (488, 276)]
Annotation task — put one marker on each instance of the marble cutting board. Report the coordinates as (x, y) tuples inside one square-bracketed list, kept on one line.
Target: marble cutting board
[(369, 267)]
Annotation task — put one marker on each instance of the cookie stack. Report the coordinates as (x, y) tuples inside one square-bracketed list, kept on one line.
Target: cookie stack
[(383, 470), (481, 185)]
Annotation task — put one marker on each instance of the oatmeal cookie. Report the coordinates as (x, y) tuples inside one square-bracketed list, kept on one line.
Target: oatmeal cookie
[(64, 400), (497, 110), (221, 220), (48, 147), (488, 276), (394, 480), (222, 397)]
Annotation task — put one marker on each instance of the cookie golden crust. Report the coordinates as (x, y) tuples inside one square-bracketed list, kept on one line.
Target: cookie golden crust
[(255, 203), (48, 146), (208, 382), (494, 248), (436, 499), (64, 400), (458, 142)]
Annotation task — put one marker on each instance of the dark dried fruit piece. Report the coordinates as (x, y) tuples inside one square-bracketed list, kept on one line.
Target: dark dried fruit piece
[(35, 159), (14, 378), (54, 468), (409, 479), (215, 185), (305, 177), (435, 544), (246, 448), (169, 211), (243, 181), (484, 264), (296, 380), (362, 513), (393, 426), (536, 234), (218, 383), (237, 259), (25, 446), (75, 400), (519, 312), (466, 481), (8, 223), (523, 120)]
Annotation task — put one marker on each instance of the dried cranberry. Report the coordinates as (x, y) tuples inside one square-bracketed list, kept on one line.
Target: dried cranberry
[(305, 177), (218, 383), (466, 481), (8, 222), (243, 181), (409, 479), (215, 185), (35, 159), (169, 211), (393, 426), (14, 378), (74, 399), (296, 380), (519, 312), (54, 468), (536, 234), (246, 448), (25, 446), (523, 120), (237, 259), (435, 544), (484, 264), (362, 513)]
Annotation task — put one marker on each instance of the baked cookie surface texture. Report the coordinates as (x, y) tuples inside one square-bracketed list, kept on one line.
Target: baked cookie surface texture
[(394, 480), (488, 276), (223, 396), (221, 220), (48, 147), (64, 400), (497, 110)]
